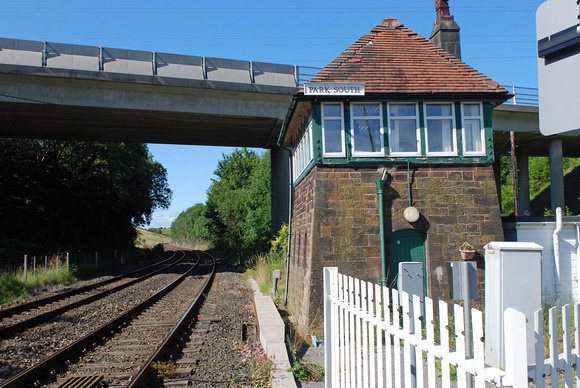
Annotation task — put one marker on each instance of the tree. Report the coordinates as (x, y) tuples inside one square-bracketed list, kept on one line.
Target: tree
[(238, 206), (186, 225), (65, 194)]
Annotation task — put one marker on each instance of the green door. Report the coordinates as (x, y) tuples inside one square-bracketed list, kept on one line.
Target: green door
[(407, 245)]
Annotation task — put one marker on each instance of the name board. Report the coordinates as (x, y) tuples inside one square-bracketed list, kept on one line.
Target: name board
[(333, 89)]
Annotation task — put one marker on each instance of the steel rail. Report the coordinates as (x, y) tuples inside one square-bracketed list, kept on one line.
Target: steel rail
[(142, 377), (65, 294), (47, 366), (9, 330)]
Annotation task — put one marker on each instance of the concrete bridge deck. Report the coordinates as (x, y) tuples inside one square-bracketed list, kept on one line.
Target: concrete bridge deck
[(62, 91)]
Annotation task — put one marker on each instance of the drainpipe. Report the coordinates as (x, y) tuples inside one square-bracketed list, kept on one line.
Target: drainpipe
[(380, 191), (290, 208), (578, 261), (556, 242)]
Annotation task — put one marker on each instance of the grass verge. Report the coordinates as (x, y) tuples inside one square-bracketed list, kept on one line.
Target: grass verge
[(14, 287)]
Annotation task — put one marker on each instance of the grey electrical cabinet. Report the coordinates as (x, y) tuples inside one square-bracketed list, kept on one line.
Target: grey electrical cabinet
[(513, 278)]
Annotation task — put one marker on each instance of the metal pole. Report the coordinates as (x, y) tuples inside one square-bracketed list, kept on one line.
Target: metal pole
[(289, 226), (380, 189), (514, 173), (467, 317)]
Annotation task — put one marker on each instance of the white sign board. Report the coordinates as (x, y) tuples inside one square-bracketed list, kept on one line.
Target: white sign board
[(558, 33), (333, 89)]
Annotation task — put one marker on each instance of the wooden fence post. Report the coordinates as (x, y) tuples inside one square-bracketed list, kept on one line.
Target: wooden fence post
[(25, 268), (330, 274), (516, 347)]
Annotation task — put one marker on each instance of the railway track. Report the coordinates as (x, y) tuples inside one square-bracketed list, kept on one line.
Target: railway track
[(120, 352), (25, 315)]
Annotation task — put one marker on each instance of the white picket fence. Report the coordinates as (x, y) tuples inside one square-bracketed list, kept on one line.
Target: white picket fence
[(366, 345)]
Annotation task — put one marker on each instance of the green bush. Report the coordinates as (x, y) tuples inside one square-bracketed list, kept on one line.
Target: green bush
[(12, 288)]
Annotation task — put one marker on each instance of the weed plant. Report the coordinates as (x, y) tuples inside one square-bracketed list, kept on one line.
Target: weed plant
[(262, 266), (304, 370), (261, 377)]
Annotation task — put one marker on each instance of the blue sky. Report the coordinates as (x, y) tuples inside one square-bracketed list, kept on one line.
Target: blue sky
[(497, 37)]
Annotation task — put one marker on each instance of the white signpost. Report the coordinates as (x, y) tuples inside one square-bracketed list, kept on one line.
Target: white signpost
[(558, 33)]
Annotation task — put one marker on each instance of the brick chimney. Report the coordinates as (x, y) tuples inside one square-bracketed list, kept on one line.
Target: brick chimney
[(445, 32)]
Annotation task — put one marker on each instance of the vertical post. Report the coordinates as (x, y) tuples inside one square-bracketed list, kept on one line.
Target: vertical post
[(25, 267), (514, 172), (515, 346), (330, 274), (96, 259), (539, 349), (467, 316), (101, 59), (296, 76), (67, 262), (45, 263), (252, 80), (523, 181), (556, 175), (44, 56), (380, 190), (34, 265)]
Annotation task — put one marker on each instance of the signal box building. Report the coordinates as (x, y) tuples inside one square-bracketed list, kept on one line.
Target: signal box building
[(397, 109)]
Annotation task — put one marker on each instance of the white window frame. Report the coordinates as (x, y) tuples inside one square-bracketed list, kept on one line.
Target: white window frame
[(381, 151), (453, 129), (342, 153), (417, 130), (482, 131), (303, 153)]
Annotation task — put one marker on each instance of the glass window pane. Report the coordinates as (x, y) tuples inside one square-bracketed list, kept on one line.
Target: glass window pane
[(365, 110), (471, 109), (403, 136), (440, 136), (332, 136), (402, 110), (332, 110), (439, 110), (472, 136), (367, 135)]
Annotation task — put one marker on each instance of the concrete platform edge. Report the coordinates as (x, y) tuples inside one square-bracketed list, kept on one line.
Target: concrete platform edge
[(271, 332)]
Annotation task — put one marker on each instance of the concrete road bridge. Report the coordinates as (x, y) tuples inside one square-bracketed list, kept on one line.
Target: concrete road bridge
[(63, 91)]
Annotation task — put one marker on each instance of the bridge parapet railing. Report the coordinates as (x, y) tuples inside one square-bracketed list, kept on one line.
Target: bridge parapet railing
[(148, 63), (522, 95)]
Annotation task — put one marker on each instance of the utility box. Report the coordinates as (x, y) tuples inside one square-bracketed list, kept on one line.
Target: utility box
[(455, 274), (513, 278), (410, 280)]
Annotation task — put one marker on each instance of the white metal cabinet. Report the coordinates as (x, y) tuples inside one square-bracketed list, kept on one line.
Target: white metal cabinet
[(513, 278)]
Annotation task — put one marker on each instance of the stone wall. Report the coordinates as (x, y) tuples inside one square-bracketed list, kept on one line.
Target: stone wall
[(336, 222)]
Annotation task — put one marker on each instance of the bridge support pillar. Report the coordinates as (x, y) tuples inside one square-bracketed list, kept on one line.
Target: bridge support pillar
[(281, 185), (556, 175)]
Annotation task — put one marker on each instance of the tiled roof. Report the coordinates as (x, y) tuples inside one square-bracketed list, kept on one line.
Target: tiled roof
[(393, 59)]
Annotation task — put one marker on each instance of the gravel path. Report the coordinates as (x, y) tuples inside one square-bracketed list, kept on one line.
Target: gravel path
[(229, 349)]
